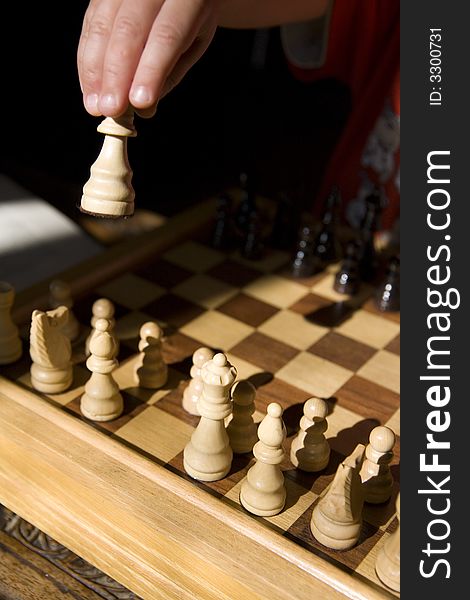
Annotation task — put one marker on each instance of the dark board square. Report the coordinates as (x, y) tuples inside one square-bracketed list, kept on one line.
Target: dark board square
[(394, 345), (309, 304), (83, 309), (368, 398), (248, 310), (234, 273), (164, 273), (264, 352), (342, 351), (173, 310), (371, 306), (178, 350), (288, 396)]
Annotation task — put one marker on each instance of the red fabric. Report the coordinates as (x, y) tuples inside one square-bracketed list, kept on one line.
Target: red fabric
[(363, 52)]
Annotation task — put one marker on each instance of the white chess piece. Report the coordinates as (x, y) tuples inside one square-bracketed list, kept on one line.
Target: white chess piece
[(109, 191), (263, 492), (60, 295), (208, 455), (193, 391), (102, 309), (102, 400), (310, 450), (242, 429), (151, 370), (376, 476), (10, 341), (337, 517), (51, 351), (387, 564)]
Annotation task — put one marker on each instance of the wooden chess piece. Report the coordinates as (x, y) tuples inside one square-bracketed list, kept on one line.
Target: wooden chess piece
[(222, 234), (303, 263), (151, 371), (109, 192), (263, 492), (10, 342), (337, 517), (376, 476), (310, 450), (102, 400), (51, 351), (246, 206), (208, 455), (347, 278), (60, 295), (242, 429), (193, 391), (327, 248), (368, 261), (102, 309), (388, 293), (387, 564)]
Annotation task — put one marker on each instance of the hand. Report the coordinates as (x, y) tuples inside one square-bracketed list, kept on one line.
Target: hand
[(137, 50)]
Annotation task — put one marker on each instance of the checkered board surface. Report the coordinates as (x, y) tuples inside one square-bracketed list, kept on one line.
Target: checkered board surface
[(292, 338)]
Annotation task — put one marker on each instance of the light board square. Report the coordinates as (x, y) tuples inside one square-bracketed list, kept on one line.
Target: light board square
[(205, 291), (193, 256), (131, 291), (315, 375), (369, 329), (293, 329), (217, 330), (275, 290), (383, 368), (157, 432)]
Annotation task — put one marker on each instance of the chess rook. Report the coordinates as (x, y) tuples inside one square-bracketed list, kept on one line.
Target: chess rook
[(109, 191), (151, 371), (263, 492), (242, 430), (337, 517), (51, 351), (375, 471), (387, 565), (310, 450), (193, 391), (10, 341), (102, 400), (208, 455), (60, 295)]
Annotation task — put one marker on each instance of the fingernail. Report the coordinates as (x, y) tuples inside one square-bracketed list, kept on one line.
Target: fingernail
[(108, 101), (140, 94), (91, 102)]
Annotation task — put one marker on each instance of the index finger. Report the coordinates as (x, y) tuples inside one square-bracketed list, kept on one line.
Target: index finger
[(173, 31)]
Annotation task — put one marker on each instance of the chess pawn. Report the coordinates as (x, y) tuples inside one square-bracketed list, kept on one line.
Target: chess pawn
[(60, 295), (387, 564), (388, 294), (102, 309), (51, 351), (337, 517), (193, 391), (109, 192), (347, 279), (263, 492), (10, 341), (310, 450), (102, 400), (242, 430), (150, 370), (208, 455), (375, 471)]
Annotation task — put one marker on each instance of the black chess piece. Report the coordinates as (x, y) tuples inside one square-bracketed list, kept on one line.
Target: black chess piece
[(327, 248), (369, 262), (252, 246), (303, 264), (388, 293), (285, 224), (222, 234), (246, 206), (347, 279)]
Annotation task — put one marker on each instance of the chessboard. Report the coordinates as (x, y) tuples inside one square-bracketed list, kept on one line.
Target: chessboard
[(116, 492)]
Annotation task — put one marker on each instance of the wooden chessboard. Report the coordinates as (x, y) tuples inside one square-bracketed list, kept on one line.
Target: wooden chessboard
[(116, 493)]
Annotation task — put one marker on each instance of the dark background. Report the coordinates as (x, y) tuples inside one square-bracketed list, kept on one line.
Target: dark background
[(227, 116)]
